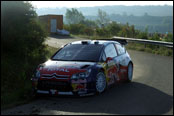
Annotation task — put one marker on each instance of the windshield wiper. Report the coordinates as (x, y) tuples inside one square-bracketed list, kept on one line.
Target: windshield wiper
[(60, 60)]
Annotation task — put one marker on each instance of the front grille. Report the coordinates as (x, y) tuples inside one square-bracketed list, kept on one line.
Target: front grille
[(54, 75), (58, 85)]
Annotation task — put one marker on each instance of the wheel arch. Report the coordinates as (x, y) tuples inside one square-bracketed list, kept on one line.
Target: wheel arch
[(131, 63)]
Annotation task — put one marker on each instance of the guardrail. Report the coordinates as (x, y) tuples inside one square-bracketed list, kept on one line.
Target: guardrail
[(161, 43)]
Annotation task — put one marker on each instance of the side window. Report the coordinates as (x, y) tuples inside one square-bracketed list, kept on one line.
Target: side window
[(121, 50), (103, 57), (110, 51)]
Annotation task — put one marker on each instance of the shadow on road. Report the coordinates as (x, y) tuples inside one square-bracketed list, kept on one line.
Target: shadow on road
[(130, 98), (61, 36)]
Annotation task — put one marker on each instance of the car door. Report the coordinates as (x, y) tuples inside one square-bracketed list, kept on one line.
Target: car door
[(121, 58), (111, 64)]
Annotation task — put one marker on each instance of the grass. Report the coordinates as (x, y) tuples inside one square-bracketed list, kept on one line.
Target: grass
[(16, 94), (160, 50), (51, 50)]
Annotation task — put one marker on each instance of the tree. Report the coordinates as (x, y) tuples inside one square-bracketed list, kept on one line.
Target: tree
[(19, 25), (73, 16), (22, 48), (114, 28), (102, 18), (89, 23)]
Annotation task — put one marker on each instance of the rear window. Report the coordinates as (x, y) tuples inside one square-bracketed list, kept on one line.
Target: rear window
[(121, 50), (79, 52)]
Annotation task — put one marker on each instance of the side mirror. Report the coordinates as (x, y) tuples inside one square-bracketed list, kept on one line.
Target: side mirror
[(108, 59)]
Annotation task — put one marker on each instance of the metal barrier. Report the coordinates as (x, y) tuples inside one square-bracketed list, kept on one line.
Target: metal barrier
[(161, 43)]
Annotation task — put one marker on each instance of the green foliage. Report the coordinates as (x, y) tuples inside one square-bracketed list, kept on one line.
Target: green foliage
[(160, 50), (169, 37), (22, 48), (102, 32), (155, 37), (76, 28), (88, 31), (142, 35), (114, 28), (89, 23), (73, 16)]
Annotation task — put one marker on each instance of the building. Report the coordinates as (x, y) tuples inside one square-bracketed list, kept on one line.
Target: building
[(53, 22)]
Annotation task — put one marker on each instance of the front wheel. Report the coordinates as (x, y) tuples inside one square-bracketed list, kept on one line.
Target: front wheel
[(100, 82), (130, 72)]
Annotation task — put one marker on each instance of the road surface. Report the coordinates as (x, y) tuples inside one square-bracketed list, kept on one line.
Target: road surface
[(151, 92)]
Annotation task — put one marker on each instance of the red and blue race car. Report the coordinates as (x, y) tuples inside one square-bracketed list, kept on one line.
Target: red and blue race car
[(83, 68)]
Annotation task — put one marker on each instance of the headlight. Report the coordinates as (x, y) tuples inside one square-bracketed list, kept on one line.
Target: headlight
[(81, 75), (37, 74)]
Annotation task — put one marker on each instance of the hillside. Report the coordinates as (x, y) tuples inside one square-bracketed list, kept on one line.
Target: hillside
[(156, 18), (115, 9)]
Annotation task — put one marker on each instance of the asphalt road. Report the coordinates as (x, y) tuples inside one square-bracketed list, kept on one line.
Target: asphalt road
[(151, 92)]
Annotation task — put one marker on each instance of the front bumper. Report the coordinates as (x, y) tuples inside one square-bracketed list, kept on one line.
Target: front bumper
[(55, 92), (72, 87)]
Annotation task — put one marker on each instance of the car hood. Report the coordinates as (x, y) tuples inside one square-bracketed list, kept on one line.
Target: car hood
[(64, 67)]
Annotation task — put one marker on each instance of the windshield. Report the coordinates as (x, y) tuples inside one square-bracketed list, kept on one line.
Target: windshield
[(79, 52)]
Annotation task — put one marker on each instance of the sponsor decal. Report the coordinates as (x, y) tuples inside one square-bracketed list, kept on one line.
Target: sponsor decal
[(78, 87), (58, 69), (88, 94)]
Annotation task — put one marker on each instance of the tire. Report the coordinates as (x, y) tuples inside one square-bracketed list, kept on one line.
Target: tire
[(130, 72), (101, 84)]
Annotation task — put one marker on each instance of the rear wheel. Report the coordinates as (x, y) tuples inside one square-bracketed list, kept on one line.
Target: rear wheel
[(100, 82), (130, 72)]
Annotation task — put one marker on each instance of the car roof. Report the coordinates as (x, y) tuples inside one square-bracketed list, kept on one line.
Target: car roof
[(102, 42)]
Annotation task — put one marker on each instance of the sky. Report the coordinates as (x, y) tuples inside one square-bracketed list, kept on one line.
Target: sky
[(77, 4)]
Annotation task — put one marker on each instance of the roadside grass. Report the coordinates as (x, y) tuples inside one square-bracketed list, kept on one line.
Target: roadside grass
[(17, 91), (160, 50), (51, 50)]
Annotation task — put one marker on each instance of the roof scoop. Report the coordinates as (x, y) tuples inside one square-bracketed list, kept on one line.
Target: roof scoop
[(86, 42)]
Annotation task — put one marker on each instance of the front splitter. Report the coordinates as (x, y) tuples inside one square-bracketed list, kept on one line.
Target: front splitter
[(55, 92)]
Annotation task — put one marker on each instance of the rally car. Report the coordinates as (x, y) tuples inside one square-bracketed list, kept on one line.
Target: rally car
[(84, 68)]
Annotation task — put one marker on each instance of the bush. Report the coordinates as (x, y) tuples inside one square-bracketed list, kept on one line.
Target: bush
[(114, 28), (76, 28), (22, 49), (89, 31), (102, 32)]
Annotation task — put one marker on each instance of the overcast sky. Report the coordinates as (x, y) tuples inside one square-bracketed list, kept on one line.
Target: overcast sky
[(70, 4)]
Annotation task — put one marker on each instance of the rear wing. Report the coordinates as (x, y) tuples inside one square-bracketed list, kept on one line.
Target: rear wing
[(161, 43), (121, 41), (124, 41)]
